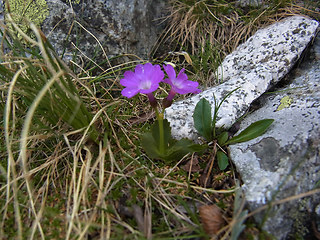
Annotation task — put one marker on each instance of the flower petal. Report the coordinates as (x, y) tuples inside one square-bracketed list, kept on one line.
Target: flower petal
[(170, 71), (153, 87), (148, 70), (188, 87), (144, 79), (158, 74), (168, 81), (129, 80), (139, 70), (129, 92), (182, 76), (180, 84)]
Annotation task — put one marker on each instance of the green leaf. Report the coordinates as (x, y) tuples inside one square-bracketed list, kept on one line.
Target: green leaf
[(223, 160), (197, 147), (254, 130), (202, 119), (177, 151), (166, 132), (223, 138), (148, 143), (180, 148), (174, 152), (173, 149)]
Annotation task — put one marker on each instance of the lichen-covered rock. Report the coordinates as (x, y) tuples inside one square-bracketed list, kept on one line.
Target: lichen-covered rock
[(121, 26), (36, 11), (254, 67), (285, 161)]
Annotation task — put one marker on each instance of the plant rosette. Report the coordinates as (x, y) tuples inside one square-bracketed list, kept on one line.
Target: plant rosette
[(145, 79), (205, 124)]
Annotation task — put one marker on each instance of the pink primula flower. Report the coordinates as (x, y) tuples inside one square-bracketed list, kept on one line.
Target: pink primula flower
[(180, 84), (145, 79)]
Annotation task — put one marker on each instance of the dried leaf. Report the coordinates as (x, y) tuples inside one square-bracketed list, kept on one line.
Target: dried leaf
[(138, 216), (211, 218), (192, 165), (187, 57), (234, 129), (205, 178), (285, 103)]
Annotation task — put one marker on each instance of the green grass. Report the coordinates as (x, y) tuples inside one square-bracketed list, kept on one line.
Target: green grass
[(71, 162)]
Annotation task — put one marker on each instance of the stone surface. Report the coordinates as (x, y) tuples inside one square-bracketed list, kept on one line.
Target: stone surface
[(121, 26), (4, 48), (254, 67), (1, 11), (285, 161), (253, 3)]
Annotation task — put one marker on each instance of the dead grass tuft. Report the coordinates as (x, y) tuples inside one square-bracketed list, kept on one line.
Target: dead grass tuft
[(227, 24), (208, 30)]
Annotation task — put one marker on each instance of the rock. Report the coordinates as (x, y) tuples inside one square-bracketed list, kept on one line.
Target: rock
[(285, 161), (1, 11), (254, 67), (121, 26), (251, 3), (4, 48)]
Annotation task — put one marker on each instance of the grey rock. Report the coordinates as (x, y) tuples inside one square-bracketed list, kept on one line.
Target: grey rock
[(285, 161), (1, 11), (252, 3), (254, 67), (121, 26)]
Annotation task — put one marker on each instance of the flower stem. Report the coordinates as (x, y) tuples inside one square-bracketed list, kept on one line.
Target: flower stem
[(152, 100), (168, 100), (161, 133)]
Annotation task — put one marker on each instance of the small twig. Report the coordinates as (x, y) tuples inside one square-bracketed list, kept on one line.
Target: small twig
[(210, 164)]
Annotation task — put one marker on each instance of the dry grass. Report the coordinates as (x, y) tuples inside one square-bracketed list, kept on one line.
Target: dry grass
[(59, 184), (198, 27), (223, 23)]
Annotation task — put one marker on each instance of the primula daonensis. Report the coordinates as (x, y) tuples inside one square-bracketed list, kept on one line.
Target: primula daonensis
[(145, 79), (179, 84)]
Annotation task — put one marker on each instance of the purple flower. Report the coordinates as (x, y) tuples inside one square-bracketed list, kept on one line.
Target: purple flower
[(145, 79), (180, 84)]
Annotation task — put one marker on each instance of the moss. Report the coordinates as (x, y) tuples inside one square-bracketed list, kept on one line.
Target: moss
[(35, 11), (300, 217)]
